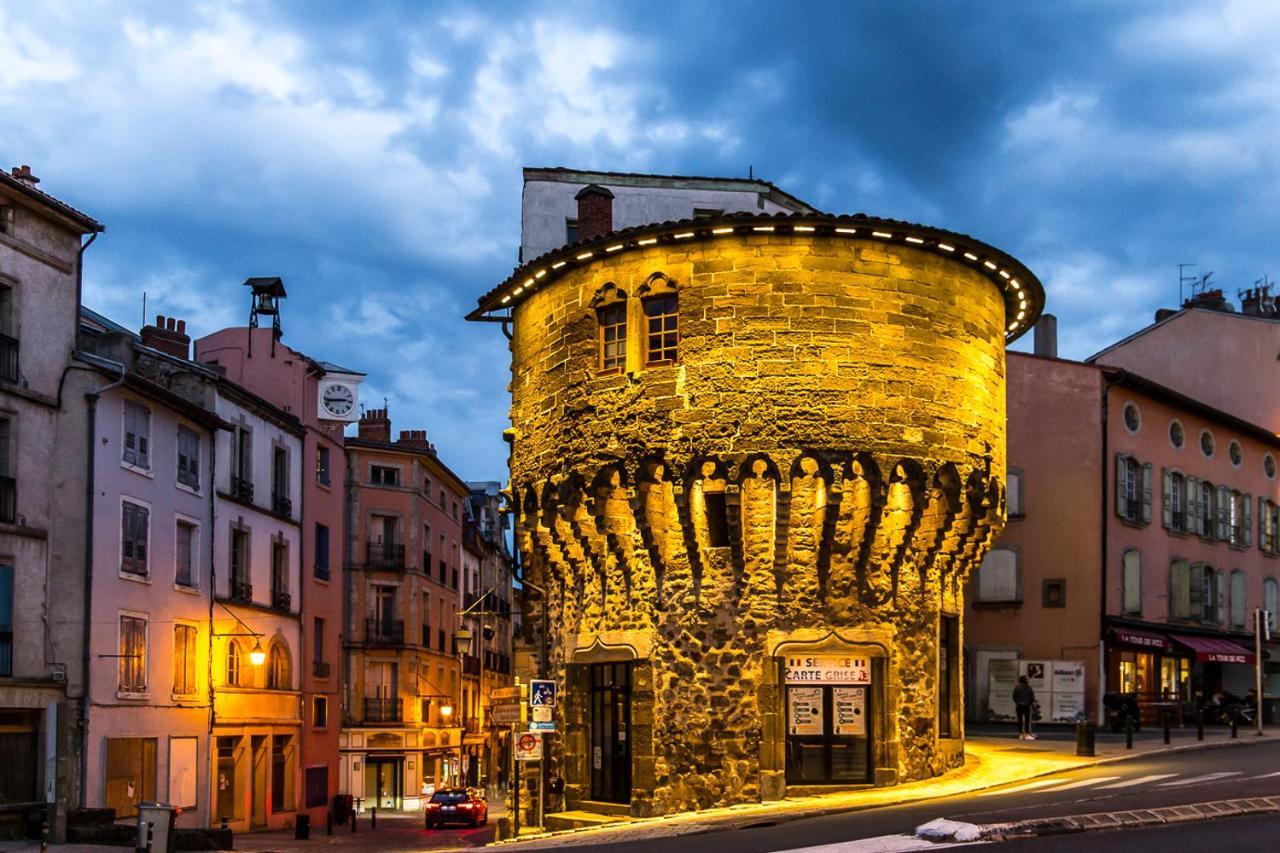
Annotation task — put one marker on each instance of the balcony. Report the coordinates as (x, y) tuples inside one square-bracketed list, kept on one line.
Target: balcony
[(8, 359), (241, 590), (8, 500), (384, 632), (241, 489), (280, 504), (320, 668), (281, 600), (382, 710), (385, 555)]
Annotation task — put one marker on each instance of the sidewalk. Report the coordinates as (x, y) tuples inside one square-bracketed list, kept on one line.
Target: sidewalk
[(993, 756)]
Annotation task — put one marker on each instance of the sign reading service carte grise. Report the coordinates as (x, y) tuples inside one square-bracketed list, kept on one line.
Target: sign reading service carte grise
[(827, 669)]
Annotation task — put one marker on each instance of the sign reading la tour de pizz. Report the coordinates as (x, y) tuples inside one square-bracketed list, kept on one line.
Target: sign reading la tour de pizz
[(827, 669)]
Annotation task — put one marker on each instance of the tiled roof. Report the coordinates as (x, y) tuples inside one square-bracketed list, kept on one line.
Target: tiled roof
[(83, 219)]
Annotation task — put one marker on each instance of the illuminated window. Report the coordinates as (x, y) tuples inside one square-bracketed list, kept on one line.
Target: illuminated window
[(613, 337), (278, 669), (662, 328), (184, 660), (233, 664)]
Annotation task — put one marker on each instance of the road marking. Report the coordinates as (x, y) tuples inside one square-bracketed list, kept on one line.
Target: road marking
[(1027, 787), (1079, 783), (1208, 777), (1266, 775), (882, 844), (1141, 780)]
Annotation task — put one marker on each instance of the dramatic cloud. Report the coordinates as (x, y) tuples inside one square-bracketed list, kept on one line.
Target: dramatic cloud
[(370, 154)]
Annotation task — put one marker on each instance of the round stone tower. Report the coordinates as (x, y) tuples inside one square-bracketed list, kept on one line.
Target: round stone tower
[(753, 461)]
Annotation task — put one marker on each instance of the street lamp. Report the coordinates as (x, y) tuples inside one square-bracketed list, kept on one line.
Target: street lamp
[(257, 656), (462, 643)]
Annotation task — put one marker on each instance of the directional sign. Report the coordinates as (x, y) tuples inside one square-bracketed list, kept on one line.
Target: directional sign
[(507, 714), (516, 693), (528, 746), (542, 693)]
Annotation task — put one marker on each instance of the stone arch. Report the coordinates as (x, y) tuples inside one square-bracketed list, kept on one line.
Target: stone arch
[(657, 284), (608, 294), (706, 518)]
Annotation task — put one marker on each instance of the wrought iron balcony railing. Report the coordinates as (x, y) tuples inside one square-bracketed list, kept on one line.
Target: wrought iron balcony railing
[(382, 710), (385, 555), (241, 489), (241, 590), (281, 600), (384, 631), (281, 504)]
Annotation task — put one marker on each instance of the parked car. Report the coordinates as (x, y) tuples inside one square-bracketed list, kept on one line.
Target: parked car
[(457, 805)]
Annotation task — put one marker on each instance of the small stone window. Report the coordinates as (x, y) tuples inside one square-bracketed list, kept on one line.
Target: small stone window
[(1235, 453), (662, 328), (1132, 420), (1206, 443), (1054, 592), (610, 304), (1177, 436)]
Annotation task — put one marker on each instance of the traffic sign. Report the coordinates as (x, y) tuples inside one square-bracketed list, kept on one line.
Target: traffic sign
[(528, 746), (508, 713), (542, 693), (516, 693), (542, 727)]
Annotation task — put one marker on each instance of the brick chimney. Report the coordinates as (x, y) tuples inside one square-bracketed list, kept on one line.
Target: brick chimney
[(168, 335), (415, 438), (23, 173), (595, 212), (375, 425)]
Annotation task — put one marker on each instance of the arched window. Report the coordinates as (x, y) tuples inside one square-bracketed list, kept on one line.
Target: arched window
[(278, 677), (661, 320), (233, 663), (610, 304)]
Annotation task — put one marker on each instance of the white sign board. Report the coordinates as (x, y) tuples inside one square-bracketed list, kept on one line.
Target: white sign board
[(1038, 673), (507, 714), (1068, 676), (529, 746), (1066, 707), (850, 707), (827, 669), (1002, 674), (804, 710)]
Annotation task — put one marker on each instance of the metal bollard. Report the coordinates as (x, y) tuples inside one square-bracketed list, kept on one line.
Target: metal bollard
[(225, 821), (353, 821), (1085, 736), (1164, 720), (373, 817), (328, 822), (1128, 733), (1235, 726), (1200, 724)]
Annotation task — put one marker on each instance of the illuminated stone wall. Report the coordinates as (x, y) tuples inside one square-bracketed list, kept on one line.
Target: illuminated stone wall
[(846, 398)]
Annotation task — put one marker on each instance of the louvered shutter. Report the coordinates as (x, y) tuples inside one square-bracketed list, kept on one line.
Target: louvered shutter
[(1166, 498), (130, 434), (1146, 493), (1263, 520), (1220, 596), (1121, 466), (1193, 505), (1179, 590), (1195, 592), (1247, 501), (1224, 512)]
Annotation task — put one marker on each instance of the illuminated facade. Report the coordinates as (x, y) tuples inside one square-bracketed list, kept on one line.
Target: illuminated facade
[(753, 460)]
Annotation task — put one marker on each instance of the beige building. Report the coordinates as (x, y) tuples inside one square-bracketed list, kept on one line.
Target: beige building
[(754, 459)]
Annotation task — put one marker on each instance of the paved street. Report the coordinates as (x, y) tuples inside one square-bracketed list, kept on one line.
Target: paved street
[(1157, 779), (1253, 834)]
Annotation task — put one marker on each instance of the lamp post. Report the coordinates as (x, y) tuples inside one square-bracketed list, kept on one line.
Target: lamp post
[(462, 642)]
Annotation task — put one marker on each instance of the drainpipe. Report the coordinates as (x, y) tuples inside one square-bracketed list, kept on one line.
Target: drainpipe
[(211, 746), (91, 438), (1103, 503), (80, 274)]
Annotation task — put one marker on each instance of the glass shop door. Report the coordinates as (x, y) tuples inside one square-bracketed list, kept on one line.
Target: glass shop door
[(828, 734)]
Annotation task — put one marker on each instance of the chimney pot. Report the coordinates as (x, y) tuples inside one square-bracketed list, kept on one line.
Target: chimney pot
[(23, 173), (1046, 336), (168, 336), (595, 212), (182, 327), (375, 425)]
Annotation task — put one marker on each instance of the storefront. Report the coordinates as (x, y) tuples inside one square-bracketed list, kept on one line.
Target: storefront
[(1175, 672), (828, 705)]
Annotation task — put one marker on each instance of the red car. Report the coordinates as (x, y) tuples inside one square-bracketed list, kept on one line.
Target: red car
[(457, 805)]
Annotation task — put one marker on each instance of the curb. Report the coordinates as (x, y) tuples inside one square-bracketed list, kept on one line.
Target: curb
[(1130, 819), (716, 823)]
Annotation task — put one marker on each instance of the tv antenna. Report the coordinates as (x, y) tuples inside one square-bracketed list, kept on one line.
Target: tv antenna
[(1184, 279)]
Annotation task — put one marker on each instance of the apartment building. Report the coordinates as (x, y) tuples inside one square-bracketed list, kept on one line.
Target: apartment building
[(402, 727), (42, 652)]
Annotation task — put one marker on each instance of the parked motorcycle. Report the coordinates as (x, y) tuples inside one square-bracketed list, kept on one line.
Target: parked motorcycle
[(1122, 709)]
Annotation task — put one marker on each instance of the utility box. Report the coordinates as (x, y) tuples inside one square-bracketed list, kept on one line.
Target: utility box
[(155, 827)]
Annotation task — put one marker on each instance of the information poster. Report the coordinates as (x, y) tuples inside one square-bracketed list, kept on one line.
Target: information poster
[(1038, 675), (1068, 676), (1002, 674), (1066, 707), (850, 706), (805, 710)]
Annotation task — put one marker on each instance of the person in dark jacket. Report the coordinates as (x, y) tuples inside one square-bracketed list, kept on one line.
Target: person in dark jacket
[(1023, 698)]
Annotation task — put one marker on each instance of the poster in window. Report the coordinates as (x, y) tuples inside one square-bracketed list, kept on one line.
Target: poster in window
[(1068, 676), (1038, 673), (182, 772), (850, 707), (1002, 674), (805, 710)]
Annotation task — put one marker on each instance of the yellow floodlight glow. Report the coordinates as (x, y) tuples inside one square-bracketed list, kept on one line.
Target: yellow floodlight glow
[(585, 255), (506, 299), (682, 235), (946, 247), (648, 242), (762, 228), (804, 228), (539, 273), (846, 230), (517, 291), (914, 240), (616, 247), (721, 230), (883, 235), (558, 264)]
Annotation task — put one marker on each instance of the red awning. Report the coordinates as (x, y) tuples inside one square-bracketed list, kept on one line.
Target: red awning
[(1142, 639), (1213, 650)]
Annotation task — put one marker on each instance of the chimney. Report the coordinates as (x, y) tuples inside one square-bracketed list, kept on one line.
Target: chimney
[(1214, 300), (595, 212), (375, 425), (415, 438), (168, 335), (23, 173), (1046, 336), (1258, 302)]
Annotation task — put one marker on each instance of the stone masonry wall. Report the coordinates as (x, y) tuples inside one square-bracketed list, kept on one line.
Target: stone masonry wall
[(844, 399)]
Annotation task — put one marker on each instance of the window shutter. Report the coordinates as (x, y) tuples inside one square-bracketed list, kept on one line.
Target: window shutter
[(1193, 504), (1195, 592), (1220, 596), (1247, 537), (1166, 498), (1262, 525), (1146, 493), (130, 434), (1224, 512), (1121, 465), (1179, 590)]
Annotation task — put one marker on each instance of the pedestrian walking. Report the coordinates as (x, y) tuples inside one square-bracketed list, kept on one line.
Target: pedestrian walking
[(1023, 700)]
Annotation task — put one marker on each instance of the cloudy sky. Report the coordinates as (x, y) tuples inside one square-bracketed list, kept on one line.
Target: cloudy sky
[(370, 153)]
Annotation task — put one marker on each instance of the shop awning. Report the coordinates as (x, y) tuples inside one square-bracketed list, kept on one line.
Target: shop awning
[(1142, 639), (1214, 650)]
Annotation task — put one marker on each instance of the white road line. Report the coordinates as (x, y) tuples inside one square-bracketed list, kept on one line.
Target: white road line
[(1266, 775), (1208, 777), (1141, 780), (1027, 787), (1079, 783), (882, 844)]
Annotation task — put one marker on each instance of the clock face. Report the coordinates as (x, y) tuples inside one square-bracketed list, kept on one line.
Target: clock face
[(338, 400)]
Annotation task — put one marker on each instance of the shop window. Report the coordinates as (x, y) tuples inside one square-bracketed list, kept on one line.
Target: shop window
[(1132, 581), (998, 578), (1133, 489), (1237, 599), (1054, 592)]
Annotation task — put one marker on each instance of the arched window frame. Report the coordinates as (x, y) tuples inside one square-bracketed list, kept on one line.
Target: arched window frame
[(610, 306), (279, 670), (660, 307), (234, 664)]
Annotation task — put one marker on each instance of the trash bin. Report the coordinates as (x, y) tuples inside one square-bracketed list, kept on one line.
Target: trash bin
[(302, 827), (342, 805), (155, 827)]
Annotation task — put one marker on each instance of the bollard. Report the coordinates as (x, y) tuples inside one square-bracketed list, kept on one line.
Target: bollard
[(225, 820), (328, 823), (1200, 724), (302, 827), (1235, 726), (353, 821), (373, 817), (1128, 733), (1085, 736), (1164, 720)]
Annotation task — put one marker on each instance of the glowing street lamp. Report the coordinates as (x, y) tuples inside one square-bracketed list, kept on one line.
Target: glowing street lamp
[(257, 655), (446, 711)]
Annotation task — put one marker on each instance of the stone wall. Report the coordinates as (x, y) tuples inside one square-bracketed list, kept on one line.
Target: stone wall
[(843, 401)]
